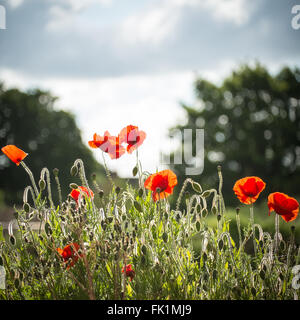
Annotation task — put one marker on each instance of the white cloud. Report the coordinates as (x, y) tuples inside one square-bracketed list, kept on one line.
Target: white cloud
[(15, 3), (157, 23), (63, 13)]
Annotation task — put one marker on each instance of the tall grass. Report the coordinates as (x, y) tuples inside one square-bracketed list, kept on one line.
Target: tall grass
[(198, 250)]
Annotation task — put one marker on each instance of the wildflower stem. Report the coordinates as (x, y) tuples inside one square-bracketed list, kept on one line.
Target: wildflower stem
[(31, 178), (252, 227), (276, 232), (59, 191), (238, 222)]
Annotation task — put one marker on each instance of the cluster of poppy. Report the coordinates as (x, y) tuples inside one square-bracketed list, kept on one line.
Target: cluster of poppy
[(113, 144), (248, 190)]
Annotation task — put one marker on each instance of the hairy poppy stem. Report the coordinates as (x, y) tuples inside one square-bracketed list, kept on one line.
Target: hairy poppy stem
[(252, 226), (31, 178), (238, 222), (276, 232)]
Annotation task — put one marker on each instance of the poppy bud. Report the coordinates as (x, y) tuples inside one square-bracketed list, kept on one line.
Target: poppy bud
[(55, 172), (12, 240), (73, 185), (74, 171), (214, 210), (134, 171), (26, 207), (196, 186), (42, 184), (206, 194)]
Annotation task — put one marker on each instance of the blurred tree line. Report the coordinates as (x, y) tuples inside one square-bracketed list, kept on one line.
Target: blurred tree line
[(251, 126), (50, 137)]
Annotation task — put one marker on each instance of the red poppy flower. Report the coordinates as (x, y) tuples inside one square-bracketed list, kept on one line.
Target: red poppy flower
[(76, 192), (129, 271), (133, 136), (70, 254), (113, 147), (165, 180), (109, 144), (248, 189), (98, 140), (15, 154), (287, 207)]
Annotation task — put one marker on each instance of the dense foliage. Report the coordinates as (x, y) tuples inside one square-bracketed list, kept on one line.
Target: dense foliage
[(251, 126)]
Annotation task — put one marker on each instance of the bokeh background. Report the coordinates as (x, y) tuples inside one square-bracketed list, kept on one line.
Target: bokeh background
[(70, 68)]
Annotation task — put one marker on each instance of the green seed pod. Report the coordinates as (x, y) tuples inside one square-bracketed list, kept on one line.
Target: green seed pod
[(141, 192), (165, 237), (74, 171), (55, 172), (26, 207), (138, 206), (196, 186), (73, 185), (12, 240), (135, 171), (42, 184), (198, 226)]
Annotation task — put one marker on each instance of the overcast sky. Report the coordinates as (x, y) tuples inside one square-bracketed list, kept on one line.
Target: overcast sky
[(119, 62)]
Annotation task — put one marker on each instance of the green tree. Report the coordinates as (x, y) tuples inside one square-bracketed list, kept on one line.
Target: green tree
[(252, 127), (50, 137)]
